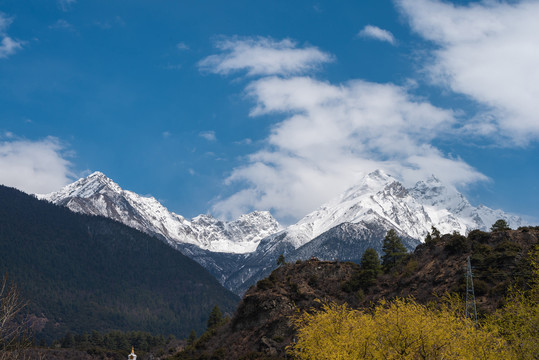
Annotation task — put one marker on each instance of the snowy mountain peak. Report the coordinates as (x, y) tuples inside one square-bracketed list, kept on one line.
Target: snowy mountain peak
[(377, 203), (98, 195), (380, 198), (370, 183), (432, 192), (97, 174), (84, 188)]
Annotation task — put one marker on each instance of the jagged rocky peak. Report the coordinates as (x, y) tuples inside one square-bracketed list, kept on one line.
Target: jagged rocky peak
[(83, 188), (395, 189), (433, 192), (257, 218), (428, 190), (379, 196), (371, 183), (96, 194)]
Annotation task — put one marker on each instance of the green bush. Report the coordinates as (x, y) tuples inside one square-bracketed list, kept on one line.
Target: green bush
[(457, 244), (478, 236)]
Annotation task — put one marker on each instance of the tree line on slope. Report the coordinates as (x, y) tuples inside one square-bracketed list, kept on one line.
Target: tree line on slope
[(81, 273)]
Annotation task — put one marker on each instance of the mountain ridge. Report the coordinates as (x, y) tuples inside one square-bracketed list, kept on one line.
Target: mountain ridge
[(98, 195), (377, 203), (240, 252)]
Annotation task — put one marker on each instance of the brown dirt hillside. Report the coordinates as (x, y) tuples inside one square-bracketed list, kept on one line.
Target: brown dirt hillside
[(261, 327)]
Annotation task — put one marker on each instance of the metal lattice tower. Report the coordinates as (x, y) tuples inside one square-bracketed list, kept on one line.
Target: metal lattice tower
[(471, 310)]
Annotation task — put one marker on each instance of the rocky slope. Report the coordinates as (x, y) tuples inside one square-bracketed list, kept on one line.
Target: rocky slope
[(261, 327)]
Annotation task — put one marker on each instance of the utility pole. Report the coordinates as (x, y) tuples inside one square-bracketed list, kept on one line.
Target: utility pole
[(471, 310)]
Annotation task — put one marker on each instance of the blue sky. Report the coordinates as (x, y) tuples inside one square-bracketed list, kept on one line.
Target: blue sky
[(226, 107)]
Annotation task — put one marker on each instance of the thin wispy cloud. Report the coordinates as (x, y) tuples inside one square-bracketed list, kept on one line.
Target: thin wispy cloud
[(330, 135), (5, 21), (172, 66), (65, 5), (38, 166), (488, 51), (375, 33), (263, 56), (109, 24), (208, 135), (8, 45), (62, 24), (182, 46)]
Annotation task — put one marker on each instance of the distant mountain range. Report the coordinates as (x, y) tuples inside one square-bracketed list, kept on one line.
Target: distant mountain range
[(240, 252)]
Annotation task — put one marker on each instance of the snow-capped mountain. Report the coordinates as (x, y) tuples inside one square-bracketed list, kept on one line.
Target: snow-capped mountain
[(99, 195), (359, 218), (447, 208), (412, 212), (240, 252)]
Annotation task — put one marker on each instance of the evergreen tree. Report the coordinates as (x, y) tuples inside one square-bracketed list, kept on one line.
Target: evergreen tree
[(370, 268), (432, 237), (281, 260), (216, 317), (429, 241), (435, 233), (500, 225), (68, 341), (192, 337), (96, 338), (393, 250), (370, 260)]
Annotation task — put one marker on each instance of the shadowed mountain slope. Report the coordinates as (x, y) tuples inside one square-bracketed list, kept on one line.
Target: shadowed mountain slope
[(82, 273)]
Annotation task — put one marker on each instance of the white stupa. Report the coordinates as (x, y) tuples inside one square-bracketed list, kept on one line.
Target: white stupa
[(132, 356)]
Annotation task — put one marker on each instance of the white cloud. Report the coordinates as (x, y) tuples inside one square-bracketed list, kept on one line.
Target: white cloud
[(488, 51), (8, 45), (246, 141), (263, 56), (65, 5), (208, 135), (374, 32), (4, 23), (182, 46), (34, 166), (330, 136)]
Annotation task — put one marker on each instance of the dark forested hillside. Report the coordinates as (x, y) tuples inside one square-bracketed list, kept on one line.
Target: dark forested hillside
[(82, 273)]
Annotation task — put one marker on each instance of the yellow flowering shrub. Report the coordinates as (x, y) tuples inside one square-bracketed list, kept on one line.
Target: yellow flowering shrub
[(398, 329)]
